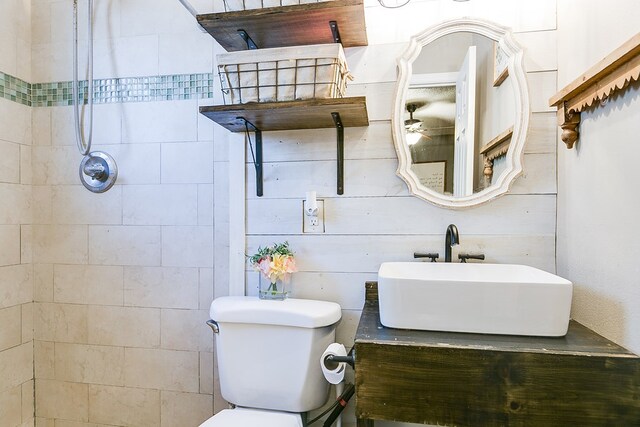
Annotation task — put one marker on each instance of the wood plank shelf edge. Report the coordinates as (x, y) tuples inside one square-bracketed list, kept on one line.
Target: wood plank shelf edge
[(290, 115), (294, 25), (612, 74)]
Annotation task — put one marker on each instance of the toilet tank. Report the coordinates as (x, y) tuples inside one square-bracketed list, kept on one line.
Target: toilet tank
[(268, 352)]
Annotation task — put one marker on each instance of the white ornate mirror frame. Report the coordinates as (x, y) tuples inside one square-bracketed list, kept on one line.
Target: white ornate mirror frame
[(521, 95)]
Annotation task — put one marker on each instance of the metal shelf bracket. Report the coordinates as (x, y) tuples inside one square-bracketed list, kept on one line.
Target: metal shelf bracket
[(340, 146), (335, 32), (251, 45), (255, 154)]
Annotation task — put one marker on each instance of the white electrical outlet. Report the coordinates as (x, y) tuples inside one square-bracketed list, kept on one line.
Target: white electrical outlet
[(313, 223)]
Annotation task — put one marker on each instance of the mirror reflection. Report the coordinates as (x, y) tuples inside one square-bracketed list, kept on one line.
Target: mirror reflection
[(459, 114)]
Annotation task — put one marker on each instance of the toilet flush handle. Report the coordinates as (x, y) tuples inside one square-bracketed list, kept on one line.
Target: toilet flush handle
[(214, 326)]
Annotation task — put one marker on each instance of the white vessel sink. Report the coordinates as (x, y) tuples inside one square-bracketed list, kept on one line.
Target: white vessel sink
[(478, 298)]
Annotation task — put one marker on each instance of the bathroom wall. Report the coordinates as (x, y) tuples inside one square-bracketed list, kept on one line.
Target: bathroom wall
[(124, 279), (376, 219), (598, 205), (16, 278)]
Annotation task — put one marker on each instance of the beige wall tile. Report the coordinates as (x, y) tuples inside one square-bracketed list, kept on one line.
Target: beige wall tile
[(124, 245), (26, 165), (16, 285), (28, 402), (61, 322), (26, 244), (10, 247), (9, 162), (185, 409), (11, 406), (124, 406), (65, 423), (58, 399), (160, 204), (124, 326), (130, 157), (187, 246), (187, 163), (44, 359), (186, 330), (16, 366), (73, 204), (60, 244), (55, 165), (161, 369), (27, 322), (161, 287), (11, 330), (41, 116), (88, 284), (206, 373), (206, 288), (89, 364), (16, 204), (205, 204), (44, 422), (43, 282)]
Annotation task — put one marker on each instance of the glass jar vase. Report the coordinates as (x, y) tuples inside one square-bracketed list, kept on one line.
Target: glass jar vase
[(271, 290)]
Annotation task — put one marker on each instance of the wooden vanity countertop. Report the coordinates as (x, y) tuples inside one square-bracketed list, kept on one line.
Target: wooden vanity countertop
[(476, 380)]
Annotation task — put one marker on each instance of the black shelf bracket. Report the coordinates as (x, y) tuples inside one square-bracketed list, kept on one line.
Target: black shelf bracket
[(340, 146), (335, 32), (255, 154), (251, 45)]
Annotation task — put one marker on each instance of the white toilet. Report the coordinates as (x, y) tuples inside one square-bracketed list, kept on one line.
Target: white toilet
[(269, 359)]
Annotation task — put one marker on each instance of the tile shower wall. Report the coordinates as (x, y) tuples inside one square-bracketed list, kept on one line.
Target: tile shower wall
[(16, 271), (123, 280), (376, 219)]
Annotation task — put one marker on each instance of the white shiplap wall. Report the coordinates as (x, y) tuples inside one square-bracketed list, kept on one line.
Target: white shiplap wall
[(376, 219)]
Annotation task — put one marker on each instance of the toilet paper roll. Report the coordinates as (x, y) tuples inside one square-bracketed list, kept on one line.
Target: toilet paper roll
[(333, 371)]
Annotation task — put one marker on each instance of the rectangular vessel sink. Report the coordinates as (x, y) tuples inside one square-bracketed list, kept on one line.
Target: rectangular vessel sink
[(478, 298)]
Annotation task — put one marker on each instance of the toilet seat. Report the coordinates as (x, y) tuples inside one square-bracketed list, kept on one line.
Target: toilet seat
[(243, 417)]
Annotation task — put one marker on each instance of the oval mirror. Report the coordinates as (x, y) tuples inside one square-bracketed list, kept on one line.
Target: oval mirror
[(461, 113)]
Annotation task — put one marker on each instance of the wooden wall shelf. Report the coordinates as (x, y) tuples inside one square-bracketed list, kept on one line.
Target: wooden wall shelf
[(493, 149), (296, 25), (445, 378), (290, 115), (612, 74)]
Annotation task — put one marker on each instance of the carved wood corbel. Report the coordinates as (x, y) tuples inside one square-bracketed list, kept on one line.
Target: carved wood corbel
[(569, 122)]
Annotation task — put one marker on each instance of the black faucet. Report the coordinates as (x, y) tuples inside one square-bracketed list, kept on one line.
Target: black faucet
[(451, 239)]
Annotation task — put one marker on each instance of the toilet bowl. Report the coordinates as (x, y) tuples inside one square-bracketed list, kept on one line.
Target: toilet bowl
[(268, 355)]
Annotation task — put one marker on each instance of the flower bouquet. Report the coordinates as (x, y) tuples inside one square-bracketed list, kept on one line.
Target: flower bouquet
[(275, 264)]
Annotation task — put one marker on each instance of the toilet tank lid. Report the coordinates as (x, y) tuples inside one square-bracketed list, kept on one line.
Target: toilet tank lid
[(301, 313)]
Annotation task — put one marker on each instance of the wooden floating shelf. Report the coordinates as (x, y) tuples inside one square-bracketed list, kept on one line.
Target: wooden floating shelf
[(257, 117), (612, 74), (290, 115), (296, 25), (447, 378)]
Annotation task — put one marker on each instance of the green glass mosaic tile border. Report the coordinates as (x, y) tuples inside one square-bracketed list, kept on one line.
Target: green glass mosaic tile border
[(129, 89), (15, 89)]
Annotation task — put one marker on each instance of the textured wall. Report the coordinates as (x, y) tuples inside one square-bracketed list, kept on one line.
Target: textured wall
[(598, 204), (124, 279), (16, 271)]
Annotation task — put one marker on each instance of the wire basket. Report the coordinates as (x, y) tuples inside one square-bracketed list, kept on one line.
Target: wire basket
[(236, 5), (283, 74)]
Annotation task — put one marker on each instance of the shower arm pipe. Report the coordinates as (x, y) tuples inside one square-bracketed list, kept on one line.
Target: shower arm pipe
[(84, 146)]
